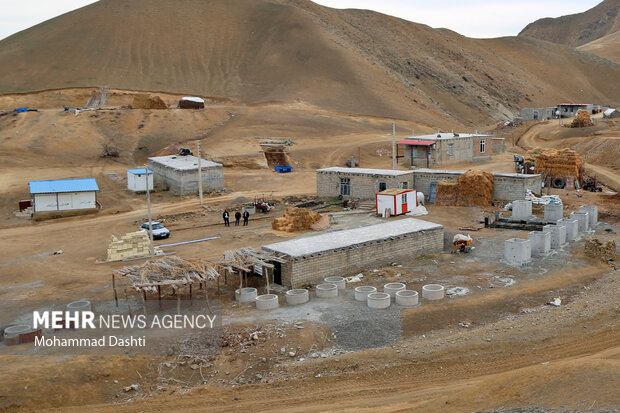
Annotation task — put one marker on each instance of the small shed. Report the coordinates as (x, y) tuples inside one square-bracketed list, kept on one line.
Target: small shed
[(191, 102), (136, 179), (398, 201), (64, 194), (611, 114)]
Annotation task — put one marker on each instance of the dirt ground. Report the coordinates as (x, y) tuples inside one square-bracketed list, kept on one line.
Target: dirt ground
[(497, 347)]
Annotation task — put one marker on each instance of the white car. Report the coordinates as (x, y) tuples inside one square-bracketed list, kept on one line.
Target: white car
[(159, 231)]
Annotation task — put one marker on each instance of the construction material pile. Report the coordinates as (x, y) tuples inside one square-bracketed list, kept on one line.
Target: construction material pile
[(605, 252), (295, 219), (131, 245), (474, 188), (582, 120), (144, 101), (168, 271), (558, 163)]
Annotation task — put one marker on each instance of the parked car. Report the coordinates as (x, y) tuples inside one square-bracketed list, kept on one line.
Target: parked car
[(159, 231)]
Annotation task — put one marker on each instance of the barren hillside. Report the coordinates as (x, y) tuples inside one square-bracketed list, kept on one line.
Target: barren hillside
[(607, 47), (257, 51), (577, 29)]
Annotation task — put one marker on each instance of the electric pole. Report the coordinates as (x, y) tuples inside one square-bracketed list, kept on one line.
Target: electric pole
[(393, 145), (199, 173), (148, 208)]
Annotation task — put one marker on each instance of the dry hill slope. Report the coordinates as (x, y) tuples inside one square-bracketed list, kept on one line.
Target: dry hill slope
[(607, 47), (577, 29), (256, 51)]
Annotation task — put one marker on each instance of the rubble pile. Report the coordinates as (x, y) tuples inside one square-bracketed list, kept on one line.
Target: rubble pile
[(604, 251), (296, 219), (559, 163)]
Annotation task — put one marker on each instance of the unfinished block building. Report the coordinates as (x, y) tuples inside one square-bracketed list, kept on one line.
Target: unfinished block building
[(180, 173), (310, 259)]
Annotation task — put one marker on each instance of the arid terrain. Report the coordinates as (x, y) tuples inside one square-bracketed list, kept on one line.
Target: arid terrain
[(333, 82)]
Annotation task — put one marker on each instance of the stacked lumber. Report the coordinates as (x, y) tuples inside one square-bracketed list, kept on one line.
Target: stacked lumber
[(582, 120), (295, 219), (556, 163)]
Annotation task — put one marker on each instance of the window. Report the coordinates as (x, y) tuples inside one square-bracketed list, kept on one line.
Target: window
[(483, 145), (403, 198), (345, 186), (382, 186), (405, 185), (451, 149)]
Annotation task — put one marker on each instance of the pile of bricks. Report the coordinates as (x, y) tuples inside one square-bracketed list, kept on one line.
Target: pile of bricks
[(131, 245)]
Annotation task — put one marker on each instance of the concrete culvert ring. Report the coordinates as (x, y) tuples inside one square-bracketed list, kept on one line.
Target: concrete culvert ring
[(361, 292), (81, 305), (392, 288), (246, 295), (267, 302), (17, 330), (407, 298), (339, 281), (19, 334), (379, 300), (298, 296), (327, 290), (433, 291)]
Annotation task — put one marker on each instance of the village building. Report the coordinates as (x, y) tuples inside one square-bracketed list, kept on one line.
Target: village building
[(137, 180), (359, 183), (439, 149), (180, 173), (64, 195), (539, 113), (309, 260), (611, 114)]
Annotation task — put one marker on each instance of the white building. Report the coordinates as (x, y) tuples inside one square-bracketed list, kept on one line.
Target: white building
[(398, 201), (180, 173), (64, 194), (136, 180)]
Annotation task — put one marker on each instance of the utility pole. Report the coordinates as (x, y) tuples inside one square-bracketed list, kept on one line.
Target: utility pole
[(148, 208), (393, 145), (199, 173)]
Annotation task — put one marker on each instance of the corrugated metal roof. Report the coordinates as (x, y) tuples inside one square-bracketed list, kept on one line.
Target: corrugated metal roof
[(63, 185), (139, 171), (409, 142)]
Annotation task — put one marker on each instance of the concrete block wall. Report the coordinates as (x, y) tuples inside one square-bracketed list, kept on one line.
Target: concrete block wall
[(422, 178), (572, 228), (583, 218), (362, 186), (592, 214), (510, 186), (558, 235), (540, 243), (521, 209), (186, 182), (517, 251), (553, 212), (312, 269)]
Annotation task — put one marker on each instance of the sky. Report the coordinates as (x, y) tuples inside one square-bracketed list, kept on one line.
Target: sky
[(472, 18)]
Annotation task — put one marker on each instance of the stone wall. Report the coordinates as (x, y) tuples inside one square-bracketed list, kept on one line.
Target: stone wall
[(363, 186), (312, 269)]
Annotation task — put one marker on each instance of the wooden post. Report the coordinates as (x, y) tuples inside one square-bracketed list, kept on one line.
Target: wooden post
[(218, 287), (266, 273), (190, 292), (114, 287), (159, 292)]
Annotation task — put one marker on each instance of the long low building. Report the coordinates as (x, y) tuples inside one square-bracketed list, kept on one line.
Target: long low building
[(310, 259), (64, 194), (360, 183)]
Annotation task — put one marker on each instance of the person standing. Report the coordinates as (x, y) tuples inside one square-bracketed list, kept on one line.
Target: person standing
[(226, 217), (237, 218), (246, 216)]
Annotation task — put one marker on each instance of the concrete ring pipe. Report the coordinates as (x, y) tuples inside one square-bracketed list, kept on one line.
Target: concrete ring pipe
[(81, 305), (327, 290), (246, 295), (298, 296), (18, 334), (339, 281), (361, 292), (433, 291), (379, 300), (267, 302), (392, 288), (407, 298)]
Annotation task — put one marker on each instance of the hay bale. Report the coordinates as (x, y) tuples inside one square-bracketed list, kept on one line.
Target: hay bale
[(558, 163), (475, 188), (447, 193), (295, 219), (582, 120)]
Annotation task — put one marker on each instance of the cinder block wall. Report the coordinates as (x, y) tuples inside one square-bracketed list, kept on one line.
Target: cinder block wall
[(186, 182), (312, 269), (422, 180), (509, 188), (362, 186)]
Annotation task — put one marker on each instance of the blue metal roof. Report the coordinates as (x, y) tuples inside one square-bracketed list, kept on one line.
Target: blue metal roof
[(139, 171), (63, 185)]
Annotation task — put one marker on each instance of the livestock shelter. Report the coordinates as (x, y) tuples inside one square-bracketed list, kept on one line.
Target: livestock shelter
[(64, 195), (310, 259), (445, 148), (137, 180), (359, 183), (397, 201), (180, 173), (191, 102)]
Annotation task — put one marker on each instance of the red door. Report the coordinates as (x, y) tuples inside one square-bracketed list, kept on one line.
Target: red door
[(404, 202)]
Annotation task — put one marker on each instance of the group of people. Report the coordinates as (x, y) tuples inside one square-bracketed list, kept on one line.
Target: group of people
[(238, 215)]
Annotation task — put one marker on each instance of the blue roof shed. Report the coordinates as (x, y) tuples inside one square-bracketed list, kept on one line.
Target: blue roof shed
[(63, 185), (139, 171)]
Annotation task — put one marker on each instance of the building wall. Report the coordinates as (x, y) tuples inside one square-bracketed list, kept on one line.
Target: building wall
[(186, 182), (462, 151), (138, 182), (66, 201), (422, 179), (362, 186), (312, 269)]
